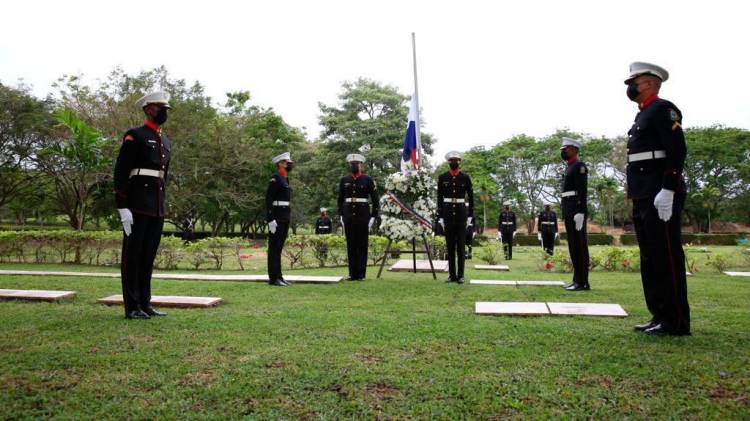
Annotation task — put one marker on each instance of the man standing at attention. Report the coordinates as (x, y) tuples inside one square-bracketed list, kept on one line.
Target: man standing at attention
[(278, 215), (574, 203), (356, 216), (506, 229), (546, 225), (656, 157), (454, 191), (140, 181)]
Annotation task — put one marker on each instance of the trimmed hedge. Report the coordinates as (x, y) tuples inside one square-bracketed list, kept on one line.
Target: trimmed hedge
[(695, 239)]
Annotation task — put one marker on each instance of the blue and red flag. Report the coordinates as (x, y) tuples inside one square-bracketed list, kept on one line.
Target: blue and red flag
[(410, 154)]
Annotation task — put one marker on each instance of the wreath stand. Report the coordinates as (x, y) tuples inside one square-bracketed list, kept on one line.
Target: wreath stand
[(413, 252)]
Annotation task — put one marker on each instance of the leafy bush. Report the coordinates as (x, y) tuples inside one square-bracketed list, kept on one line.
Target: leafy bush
[(490, 252), (169, 254), (294, 249), (197, 255), (718, 261)]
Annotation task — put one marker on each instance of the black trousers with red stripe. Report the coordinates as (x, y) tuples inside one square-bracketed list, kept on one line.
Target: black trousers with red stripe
[(138, 254), (663, 263), (578, 246)]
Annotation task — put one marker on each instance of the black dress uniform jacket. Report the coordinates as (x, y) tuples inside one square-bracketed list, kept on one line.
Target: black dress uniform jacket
[(509, 225), (278, 191), (575, 180), (551, 222), (323, 225), (140, 193), (656, 128), (455, 187), (361, 187)]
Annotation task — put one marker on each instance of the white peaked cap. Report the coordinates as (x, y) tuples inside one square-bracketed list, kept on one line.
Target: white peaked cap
[(355, 157), (158, 97), (454, 155), (323, 210), (639, 68), (567, 141), (283, 157), (506, 203)]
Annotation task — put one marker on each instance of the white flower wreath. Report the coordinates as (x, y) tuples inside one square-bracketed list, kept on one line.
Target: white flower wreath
[(417, 190)]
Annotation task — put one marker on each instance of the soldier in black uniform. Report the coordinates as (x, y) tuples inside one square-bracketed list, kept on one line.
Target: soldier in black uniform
[(278, 213), (454, 191), (139, 178), (573, 203), (356, 216), (656, 156), (506, 229), (547, 229), (323, 225)]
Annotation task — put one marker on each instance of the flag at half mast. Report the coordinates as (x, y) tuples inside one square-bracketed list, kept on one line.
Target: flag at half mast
[(410, 155)]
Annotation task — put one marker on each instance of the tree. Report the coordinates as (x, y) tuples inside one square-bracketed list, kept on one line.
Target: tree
[(716, 167), (369, 115), (25, 123), (75, 163)]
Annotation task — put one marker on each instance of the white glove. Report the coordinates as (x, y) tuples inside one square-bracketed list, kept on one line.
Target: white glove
[(539, 236), (126, 217), (342, 222), (500, 236), (442, 223), (578, 218), (272, 226), (663, 203), (469, 221), (369, 224), (514, 234), (556, 235)]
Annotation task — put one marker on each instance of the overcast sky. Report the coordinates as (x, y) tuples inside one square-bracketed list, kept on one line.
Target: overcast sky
[(487, 70)]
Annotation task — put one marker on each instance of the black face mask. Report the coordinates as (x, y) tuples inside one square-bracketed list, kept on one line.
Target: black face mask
[(161, 117), (289, 166), (453, 165), (355, 168), (564, 154), (632, 91)]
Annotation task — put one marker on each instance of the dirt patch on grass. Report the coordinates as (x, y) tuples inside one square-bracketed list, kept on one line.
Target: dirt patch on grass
[(276, 364), (368, 358), (200, 378), (382, 391)]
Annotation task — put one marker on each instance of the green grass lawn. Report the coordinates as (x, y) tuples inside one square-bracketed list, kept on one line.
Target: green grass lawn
[(402, 346)]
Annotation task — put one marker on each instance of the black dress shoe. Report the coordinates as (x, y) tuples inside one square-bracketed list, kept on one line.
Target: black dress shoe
[(570, 285), (578, 287), (657, 330), (153, 312), (287, 282), (663, 330), (449, 280), (137, 314), (277, 283), (460, 280), (645, 326)]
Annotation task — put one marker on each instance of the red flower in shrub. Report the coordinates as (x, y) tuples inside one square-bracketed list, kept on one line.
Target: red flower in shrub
[(549, 265), (245, 256), (626, 263), (255, 246)]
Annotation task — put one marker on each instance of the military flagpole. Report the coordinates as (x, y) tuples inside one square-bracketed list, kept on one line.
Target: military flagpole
[(416, 99)]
